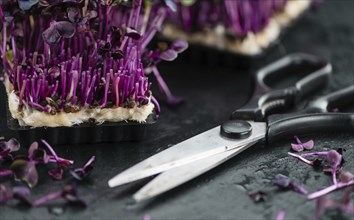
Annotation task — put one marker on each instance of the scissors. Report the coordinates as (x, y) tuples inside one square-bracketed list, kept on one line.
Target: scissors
[(254, 123)]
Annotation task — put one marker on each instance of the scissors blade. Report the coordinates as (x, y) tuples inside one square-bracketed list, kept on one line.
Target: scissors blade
[(198, 147), (179, 175)]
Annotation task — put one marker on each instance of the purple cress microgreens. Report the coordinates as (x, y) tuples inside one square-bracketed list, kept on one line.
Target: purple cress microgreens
[(24, 168), (239, 17), (299, 146), (64, 56), (284, 182)]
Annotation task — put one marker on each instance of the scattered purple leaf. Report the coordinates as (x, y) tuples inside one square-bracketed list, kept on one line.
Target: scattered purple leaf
[(37, 155), (179, 46), (57, 30), (299, 146), (284, 182), (168, 55), (132, 33), (25, 171)]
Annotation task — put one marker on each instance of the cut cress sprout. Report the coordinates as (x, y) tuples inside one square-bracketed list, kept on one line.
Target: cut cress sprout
[(23, 168), (83, 57)]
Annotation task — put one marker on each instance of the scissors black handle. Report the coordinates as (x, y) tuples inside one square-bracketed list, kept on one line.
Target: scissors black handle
[(266, 101), (315, 118), (308, 124)]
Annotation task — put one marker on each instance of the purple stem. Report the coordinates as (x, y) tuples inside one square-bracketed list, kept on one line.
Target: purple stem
[(330, 189), (47, 198), (299, 188), (314, 154), (301, 158)]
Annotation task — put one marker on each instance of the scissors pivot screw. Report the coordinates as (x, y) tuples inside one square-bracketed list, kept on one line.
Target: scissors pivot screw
[(236, 129)]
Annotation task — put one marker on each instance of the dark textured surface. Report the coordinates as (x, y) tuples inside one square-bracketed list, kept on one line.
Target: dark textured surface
[(213, 92)]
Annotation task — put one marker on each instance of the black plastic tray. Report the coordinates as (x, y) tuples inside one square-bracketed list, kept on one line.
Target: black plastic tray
[(83, 133)]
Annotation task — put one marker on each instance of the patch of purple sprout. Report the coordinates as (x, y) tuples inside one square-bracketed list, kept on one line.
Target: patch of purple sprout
[(63, 56), (238, 17)]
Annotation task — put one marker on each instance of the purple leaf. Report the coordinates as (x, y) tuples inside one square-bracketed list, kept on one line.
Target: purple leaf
[(297, 147), (284, 182), (26, 171), (56, 173), (65, 29), (168, 55), (22, 194), (26, 4), (345, 176), (12, 145), (334, 158), (37, 155), (309, 145), (179, 46), (54, 71), (132, 33), (56, 31), (51, 35), (73, 14)]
